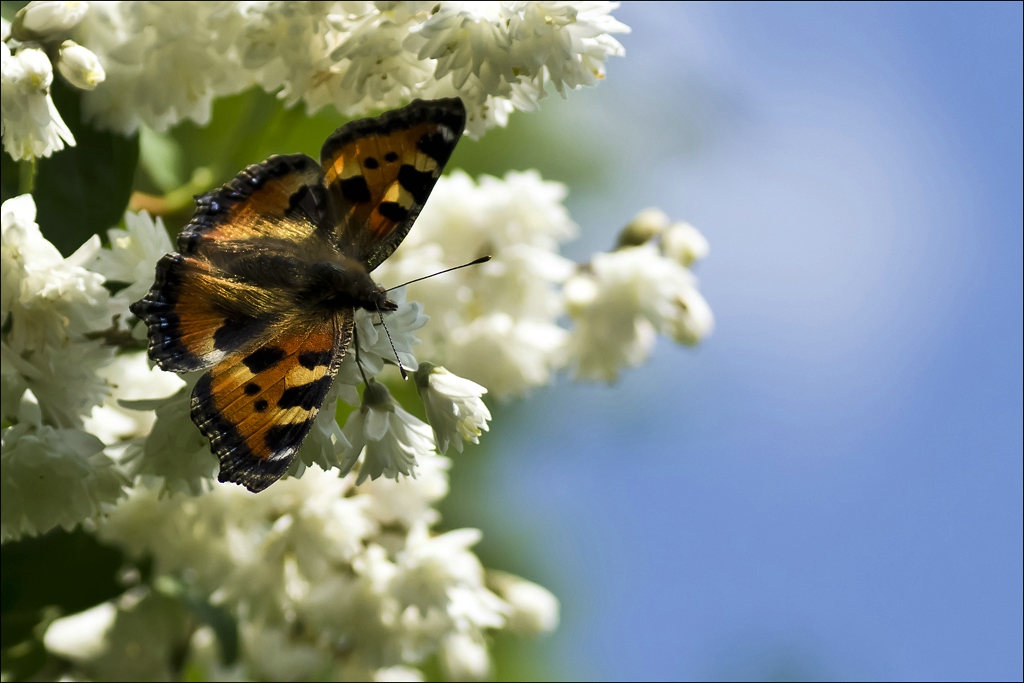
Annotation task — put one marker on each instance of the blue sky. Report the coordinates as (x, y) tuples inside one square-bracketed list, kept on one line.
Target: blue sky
[(831, 486)]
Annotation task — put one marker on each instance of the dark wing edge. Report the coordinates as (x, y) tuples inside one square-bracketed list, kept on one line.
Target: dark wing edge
[(238, 463), (216, 210), (449, 116)]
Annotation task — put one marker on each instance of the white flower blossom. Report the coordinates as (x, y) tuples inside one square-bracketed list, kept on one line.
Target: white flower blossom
[(453, 406), (131, 638), (52, 477), (438, 572), (164, 62), (622, 300), (31, 124), (131, 259), (397, 674), (47, 299), (80, 66), (534, 608), (375, 344), (506, 355), (464, 657), (570, 41), (81, 637), (389, 437), (130, 378), (684, 243), (175, 451), (40, 19), (410, 500), (66, 380), (497, 323)]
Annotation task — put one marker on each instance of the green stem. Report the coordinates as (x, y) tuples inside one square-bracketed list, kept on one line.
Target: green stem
[(27, 176)]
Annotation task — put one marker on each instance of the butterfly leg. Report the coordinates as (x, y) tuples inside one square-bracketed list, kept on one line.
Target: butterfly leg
[(359, 363)]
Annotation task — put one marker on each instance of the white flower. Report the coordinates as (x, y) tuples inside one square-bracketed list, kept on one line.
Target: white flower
[(164, 62), (693, 319), (65, 380), (507, 356), (397, 674), (40, 19), (375, 345), (411, 500), (644, 227), (130, 378), (391, 437), (453, 406), (132, 638), (326, 443), (50, 300), (313, 521), (134, 251), (31, 124), (81, 637), (570, 42), (285, 46), (439, 572), (377, 70), (534, 608), (52, 477), (468, 39), (464, 657), (622, 300), (176, 451), (495, 323), (79, 66), (684, 243), (271, 655)]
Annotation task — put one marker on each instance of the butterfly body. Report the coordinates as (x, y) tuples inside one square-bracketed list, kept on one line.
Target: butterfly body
[(262, 292)]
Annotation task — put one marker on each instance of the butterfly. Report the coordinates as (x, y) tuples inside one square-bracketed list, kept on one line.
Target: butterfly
[(262, 291)]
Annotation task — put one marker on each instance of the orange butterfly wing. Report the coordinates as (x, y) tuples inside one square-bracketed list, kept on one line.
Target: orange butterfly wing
[(197, 315), (379, 173), (258, 407)]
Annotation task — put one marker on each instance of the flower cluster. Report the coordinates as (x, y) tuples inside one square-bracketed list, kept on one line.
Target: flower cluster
[(621, 300), (339, 570), (345, 542), (325, 581), (166, 62), (32, 126), (502, 323)]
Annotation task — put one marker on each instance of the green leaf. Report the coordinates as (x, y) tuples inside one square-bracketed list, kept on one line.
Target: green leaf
[(70, 570), (82, 190)]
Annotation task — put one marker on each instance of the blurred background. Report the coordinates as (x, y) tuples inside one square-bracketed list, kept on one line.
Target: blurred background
[(831, 486)]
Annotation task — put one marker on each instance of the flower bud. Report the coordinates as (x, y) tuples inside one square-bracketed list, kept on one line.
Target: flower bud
[(534, 608), (684, 244), (647, 225), (80, 66), (693, 319), (465, 658), (40, 19), (36, 68)]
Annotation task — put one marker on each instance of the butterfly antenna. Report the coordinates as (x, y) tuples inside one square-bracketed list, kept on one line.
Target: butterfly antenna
[(482, 259), (393, 350)]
